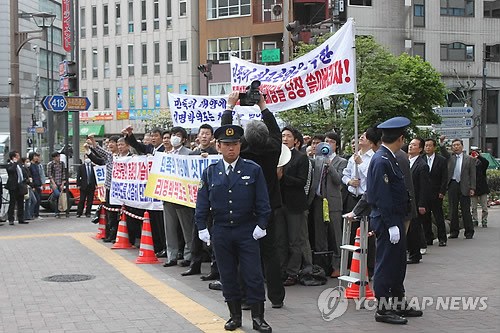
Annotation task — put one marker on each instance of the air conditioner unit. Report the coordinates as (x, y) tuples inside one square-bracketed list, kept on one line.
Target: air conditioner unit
[(277, 10)]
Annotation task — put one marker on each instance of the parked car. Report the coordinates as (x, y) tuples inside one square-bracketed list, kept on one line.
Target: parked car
[(74, 195)]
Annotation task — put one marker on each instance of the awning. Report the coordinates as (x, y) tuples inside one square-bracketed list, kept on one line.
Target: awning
[(85, 130)]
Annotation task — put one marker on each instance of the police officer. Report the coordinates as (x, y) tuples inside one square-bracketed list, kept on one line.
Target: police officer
[(387, 194), (234, 190)]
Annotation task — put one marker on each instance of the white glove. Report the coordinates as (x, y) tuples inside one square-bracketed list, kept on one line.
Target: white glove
[(258, 233), (204, 236), (394, 234)]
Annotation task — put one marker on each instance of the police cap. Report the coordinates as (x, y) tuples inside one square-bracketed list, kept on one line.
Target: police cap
[(229, 133), (394, 125)]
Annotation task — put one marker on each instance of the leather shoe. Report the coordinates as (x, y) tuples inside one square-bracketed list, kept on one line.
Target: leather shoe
[(290, 281), (390, 317), (216, 285), (409, 312), (442, 243), (107, 240), (191, 271), (161, 254), (466, 237), (277, 305), (170, 263), (11, 223), (23, 222), (453, 235), (413, 261), (78, 216), (210, 277), (184, 263)]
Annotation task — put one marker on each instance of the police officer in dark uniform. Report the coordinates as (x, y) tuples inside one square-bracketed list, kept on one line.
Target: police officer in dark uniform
[(234, 190), (387, 194)]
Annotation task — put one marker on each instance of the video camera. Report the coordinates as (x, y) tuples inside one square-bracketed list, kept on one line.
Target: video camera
[(323, 149), (252, 95)]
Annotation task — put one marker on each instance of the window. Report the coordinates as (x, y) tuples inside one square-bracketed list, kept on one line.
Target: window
[(55, 35), (118, 61), (144, 56), (220, 49), (170, 65), (218, 8), (156, 13), (130, 60), (419, 50), (219, 88), (144, 25), (267, 10), (94, 21), (183, 56), (84, 93), (492, 107), (130, 16), (82, 23), (156, 46), (360, 2), (457, 52), (105, 20), (95, 99), (419, 13), (169, 14), (94, 63), (106, 62), (457, 8), (83, 64), (493, 53), (182, 8), (106, 99), (492, 9), (118, 25)]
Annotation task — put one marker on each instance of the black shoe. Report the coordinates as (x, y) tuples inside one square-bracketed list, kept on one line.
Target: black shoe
[(210, 277), (245, 306), (23, 222), (277, 305), (430, 243), (185, 263), (78, 215), (258, 322), (193, 270), (484, 225), (413, 261), (453, 235), (107, 240), (11, 222), (390, 317), (466, 236), (170, 263), (441, 243), (216, 285), (87, 215), (235, 320), (161, 254), (290, 281), (409, 312)]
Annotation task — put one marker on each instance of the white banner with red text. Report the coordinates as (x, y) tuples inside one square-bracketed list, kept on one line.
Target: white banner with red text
[(100, 179)]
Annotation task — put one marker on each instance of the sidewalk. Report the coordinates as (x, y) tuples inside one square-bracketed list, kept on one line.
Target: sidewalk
[(125, 297)]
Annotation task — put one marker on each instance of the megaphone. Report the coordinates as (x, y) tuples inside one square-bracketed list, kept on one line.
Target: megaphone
[(323, 149)]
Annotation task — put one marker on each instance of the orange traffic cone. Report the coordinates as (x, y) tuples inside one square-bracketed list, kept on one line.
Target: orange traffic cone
[(352, 290), (122, 241), (146, 252), (101, 229)]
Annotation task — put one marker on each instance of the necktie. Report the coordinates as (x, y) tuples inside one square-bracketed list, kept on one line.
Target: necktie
[(89, 173), (229, 170), (429, 161), (456, 171)]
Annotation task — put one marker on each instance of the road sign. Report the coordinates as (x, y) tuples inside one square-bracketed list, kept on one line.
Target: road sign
[(455, 123), (454, 111), (31, 130), (453, 133), (40, 130), (58, 103)]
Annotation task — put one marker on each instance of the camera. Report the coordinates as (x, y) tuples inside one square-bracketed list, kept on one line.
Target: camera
[(323, 149), (252, 95)]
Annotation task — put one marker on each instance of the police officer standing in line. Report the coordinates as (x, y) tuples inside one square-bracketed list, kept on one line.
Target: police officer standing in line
[(234, 191), (387, 194)]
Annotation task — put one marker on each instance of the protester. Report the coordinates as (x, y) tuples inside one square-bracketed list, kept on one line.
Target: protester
[(29, 198), (482, 190), (86, 182), (56, 171), (38, 175), (16, 184)]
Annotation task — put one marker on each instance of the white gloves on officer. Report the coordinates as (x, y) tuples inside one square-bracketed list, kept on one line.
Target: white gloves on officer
[(258, 233), (394, 234), (204, 236)]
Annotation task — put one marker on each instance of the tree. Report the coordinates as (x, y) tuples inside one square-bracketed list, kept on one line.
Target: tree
[(161, 119), (388, 86)]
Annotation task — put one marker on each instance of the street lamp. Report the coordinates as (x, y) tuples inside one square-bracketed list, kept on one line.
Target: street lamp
[(17, 40)]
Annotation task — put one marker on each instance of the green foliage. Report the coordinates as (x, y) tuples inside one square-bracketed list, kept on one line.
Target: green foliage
[(161, 119), (493, 179), (388, 86)]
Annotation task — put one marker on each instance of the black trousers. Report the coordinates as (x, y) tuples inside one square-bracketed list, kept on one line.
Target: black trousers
[(436, 209), (16, 199), (134, 226), (414, 238), (112, 219), (456, 198), (86, 200), (157, 229)]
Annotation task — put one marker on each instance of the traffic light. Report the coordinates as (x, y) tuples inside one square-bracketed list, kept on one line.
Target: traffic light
[(68, 80), (295, 28)]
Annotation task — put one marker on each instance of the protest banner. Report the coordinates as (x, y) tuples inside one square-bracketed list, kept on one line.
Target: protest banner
[(100, 179), (329, 69), (175, 178), (128, 183)]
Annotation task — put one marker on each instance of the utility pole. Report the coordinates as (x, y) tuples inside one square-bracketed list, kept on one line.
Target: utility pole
[(484, 103), (286, 38)]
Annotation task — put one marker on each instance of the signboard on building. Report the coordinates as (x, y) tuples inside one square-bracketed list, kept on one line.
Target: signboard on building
[(454, 111)]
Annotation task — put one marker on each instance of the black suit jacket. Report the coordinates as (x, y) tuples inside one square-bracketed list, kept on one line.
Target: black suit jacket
[(294, 180), (421, 182), (266, 155), (141, 148), (438, 175), (12, 180), (82, 179)]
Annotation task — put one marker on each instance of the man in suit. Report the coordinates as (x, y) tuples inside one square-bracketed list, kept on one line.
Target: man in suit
[(291, 220), (461, 186), (439, 183), (85, 180), (421, 183), (327, 183), (262, 144), (16, 184), (234, 191)]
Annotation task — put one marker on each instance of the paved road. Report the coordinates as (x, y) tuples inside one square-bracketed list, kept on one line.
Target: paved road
[(125, 297)]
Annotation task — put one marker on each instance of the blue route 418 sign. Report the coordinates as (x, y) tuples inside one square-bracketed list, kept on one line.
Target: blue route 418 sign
[(58, 103), (55, 103)]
